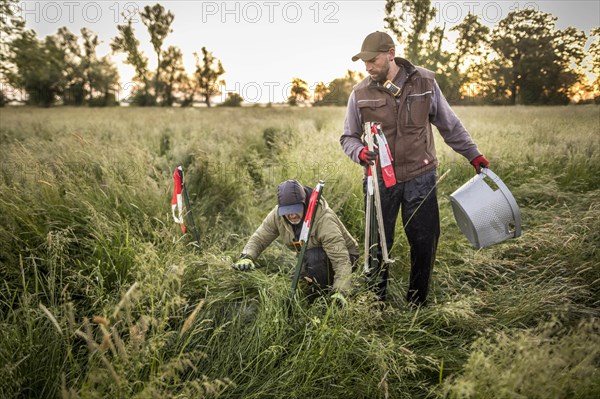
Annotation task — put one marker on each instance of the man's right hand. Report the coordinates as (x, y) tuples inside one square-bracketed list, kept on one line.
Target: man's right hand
[(366, 156), (244, 265), (480, 162)]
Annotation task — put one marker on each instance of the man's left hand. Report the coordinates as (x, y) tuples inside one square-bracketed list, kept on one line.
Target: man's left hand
[(244, 265), (480, 162)]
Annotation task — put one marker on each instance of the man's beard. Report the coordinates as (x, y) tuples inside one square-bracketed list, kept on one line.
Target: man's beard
[(294, 223), (381, 76)]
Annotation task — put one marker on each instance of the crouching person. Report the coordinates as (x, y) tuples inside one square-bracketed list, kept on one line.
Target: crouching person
[(331, 251)]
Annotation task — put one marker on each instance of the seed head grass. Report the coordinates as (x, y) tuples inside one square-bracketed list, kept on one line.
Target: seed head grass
[(102, 295)]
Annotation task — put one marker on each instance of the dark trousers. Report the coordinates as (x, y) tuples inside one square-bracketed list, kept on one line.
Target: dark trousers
[(421, 220), (317, 273)]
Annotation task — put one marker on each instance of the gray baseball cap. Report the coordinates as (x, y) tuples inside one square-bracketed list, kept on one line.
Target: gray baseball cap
[(290, 198), (374, 43)]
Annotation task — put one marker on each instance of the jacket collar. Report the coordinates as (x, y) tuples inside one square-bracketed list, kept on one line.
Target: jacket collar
[(404, 64)]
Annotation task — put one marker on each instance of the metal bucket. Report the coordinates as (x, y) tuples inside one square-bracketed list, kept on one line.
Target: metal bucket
[(486, 215)]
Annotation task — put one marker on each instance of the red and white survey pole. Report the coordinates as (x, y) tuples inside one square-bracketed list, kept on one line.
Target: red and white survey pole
[(311, 211), (373, 213), (180, 197)]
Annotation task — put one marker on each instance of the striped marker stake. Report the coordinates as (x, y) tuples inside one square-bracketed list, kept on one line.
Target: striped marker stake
[(180, 198)]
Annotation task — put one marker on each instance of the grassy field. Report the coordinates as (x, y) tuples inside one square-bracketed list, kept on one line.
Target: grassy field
[(101, 296)]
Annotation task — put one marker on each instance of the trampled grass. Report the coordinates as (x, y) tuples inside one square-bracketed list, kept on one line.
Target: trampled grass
[(101, 296)]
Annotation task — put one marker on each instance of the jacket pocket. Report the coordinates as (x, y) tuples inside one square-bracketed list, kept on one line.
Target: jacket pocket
[(417, 108), (371, 103), (372, 110)]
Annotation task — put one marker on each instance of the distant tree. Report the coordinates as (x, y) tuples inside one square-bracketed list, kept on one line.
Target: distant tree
[(471, 41), (320, 92), (208, 75), (535, 59), (90, 63), (11, 23), (74, 92), (38, 68), (409, 21), (62, 66), (173, 74), (188, 88), (99, 76), (89, 58), (440, 61), (338, 91), (472, 45), (103, 80), (158, 21), (594, 53), (233, 100), (298, 92), (11, 27), (127, 43), (567, 71), (85, 75)]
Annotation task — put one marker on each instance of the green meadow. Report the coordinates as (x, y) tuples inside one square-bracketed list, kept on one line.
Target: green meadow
[(102, 296)]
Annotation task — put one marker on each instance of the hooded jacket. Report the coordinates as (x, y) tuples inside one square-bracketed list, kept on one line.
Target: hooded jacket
[(327, 232)]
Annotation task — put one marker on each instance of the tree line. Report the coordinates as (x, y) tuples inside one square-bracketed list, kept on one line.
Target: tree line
[(65, 66), (524, 59)]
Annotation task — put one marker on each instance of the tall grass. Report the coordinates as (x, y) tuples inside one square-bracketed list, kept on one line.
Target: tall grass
[(101, 296)]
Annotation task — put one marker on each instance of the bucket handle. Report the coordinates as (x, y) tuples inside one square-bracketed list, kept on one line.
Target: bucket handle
[(509, 197)]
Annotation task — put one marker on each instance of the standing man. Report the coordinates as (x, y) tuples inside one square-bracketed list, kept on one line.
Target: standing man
[(406, 100), (331, 250)]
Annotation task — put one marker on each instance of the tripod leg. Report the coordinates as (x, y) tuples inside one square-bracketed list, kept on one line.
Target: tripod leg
[(368, 223)]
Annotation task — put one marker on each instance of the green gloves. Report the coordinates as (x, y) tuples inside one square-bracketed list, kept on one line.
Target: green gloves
[(244, 264)]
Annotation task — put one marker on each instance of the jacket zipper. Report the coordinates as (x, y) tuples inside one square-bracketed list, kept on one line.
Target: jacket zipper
[(421, 94)]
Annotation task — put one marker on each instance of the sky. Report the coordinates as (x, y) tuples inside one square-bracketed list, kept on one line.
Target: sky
[(264, 44)]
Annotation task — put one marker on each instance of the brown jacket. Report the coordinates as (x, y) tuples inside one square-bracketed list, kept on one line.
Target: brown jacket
[(406, 121)]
